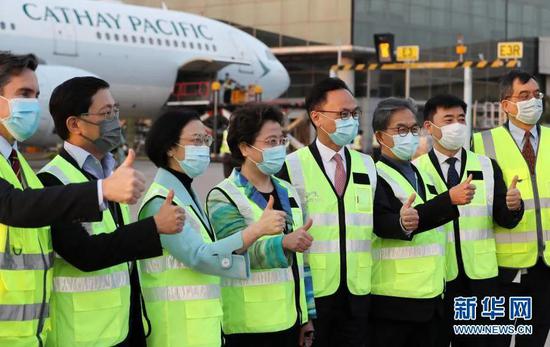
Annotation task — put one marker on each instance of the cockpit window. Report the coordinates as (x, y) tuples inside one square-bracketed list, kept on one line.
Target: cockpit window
[(270, 55)]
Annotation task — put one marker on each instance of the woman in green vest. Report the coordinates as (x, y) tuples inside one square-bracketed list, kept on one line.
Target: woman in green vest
[(270, 308), (181, 288)]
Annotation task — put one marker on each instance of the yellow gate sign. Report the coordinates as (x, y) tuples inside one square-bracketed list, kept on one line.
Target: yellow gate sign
[(408, 53), (510, 50)]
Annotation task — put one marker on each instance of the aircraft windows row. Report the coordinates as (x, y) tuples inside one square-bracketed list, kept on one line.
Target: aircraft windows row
[(152, 41), (6, 26)]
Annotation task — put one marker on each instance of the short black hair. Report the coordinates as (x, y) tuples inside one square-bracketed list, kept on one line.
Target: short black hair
[(13, 65), (72, 98), (245, 124), (507, 82), (165, 133), (386, 108), (318, 93), (445, 101)]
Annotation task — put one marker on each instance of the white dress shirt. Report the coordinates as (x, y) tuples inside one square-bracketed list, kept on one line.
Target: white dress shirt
[(326, 155), (518, 135), (6, 148), (441, 158)]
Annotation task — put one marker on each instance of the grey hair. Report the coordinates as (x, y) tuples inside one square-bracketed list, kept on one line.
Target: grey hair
[(385, 109)]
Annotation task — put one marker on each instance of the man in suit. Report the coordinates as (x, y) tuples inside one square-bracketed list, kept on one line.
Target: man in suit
[(86, 118), (523, 253), (409, 248), (471, 258), (26, 208)]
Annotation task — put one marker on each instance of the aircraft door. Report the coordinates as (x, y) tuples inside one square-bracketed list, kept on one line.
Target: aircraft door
[(243, 52), (64, 39)]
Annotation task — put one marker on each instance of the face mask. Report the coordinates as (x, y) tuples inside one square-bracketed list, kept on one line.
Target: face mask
[(453, 136), (404, 147), (24, 117), (529, 111), (273, 159), (346, 130), (110, 135), (196, 160)]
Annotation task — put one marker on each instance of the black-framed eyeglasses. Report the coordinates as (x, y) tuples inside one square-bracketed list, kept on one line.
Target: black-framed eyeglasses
[(114, 113), (199, 140), (525, 95), (403, 131), (345, 114)]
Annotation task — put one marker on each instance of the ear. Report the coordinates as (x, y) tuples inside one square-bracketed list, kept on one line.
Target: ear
[(72, 125), (243, 147), (314, 115), (428, 126), (506, 106)]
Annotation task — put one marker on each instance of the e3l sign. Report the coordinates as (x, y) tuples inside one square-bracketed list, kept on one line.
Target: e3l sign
[(510, 50), (408, 53)]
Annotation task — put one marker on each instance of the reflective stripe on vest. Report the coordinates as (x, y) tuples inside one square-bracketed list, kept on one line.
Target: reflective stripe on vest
[(160, 264), (13, 313), (9, 261), (258, 278), (408, 252), (182, 293), (514, 251), (333, 246), (91, 284)]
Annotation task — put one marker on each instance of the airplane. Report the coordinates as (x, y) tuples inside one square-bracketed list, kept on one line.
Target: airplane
[(141, 51)]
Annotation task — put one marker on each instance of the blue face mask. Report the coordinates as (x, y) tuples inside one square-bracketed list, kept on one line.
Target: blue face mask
[(196, 160), (404, 147), (24, 117), (273, 159), (346, 130)]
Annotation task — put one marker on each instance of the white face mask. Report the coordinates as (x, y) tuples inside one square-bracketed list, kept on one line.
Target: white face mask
[(453, 136), (529, 111)]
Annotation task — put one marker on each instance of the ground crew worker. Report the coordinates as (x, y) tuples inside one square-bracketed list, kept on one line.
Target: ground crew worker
[(523, 253), (337, 188), (471, 258), (92, 283), (226, 156), (270, 308), (25, 244), (181, 295), (408, 275)]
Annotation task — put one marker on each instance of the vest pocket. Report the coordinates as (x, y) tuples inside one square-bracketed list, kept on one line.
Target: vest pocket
[(204, 319), (98, 315), (363, 274), (17, 288), (318, 266), (272, 304), (363, 199), (484, 264)]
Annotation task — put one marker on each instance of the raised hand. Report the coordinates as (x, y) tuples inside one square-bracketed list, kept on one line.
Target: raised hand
[(462, 194), (126, 184)]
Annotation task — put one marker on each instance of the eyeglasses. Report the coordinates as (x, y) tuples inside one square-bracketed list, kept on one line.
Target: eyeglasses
[(109, 115), (273, 141), (525, 95), (344, 114), (403, 131), (199, 140)]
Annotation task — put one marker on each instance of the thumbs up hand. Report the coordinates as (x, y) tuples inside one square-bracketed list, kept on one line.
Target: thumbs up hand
[(299, 240), (126, 184), (409, 215), (513, 196), (272, 221), (170, 218), (463, 193)]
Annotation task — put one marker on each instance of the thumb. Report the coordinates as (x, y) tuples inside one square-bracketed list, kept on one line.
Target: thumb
[(410, 201), (514, 182), (469, 179), (308, 224), (270, 202), (169, 198), (129, 161)]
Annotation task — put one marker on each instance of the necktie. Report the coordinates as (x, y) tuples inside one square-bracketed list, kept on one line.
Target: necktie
[(528, 152), (339, 175), (452, 175), (15, 164)]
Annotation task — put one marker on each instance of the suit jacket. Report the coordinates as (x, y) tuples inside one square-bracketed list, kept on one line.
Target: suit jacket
[(357, 305), (31, 208), (432, 213)]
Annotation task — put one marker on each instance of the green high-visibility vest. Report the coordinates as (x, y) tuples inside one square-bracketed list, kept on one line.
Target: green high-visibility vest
[(409, 269), (88, 308), (26, 258), (266, 302), (183, 305), (477, 240), (322, 204), (518, 248)]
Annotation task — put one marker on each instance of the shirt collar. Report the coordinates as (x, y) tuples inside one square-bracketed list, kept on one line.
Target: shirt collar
[(84, 158), (6, 148), (328, 153), (518, 133), (441, 158)]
